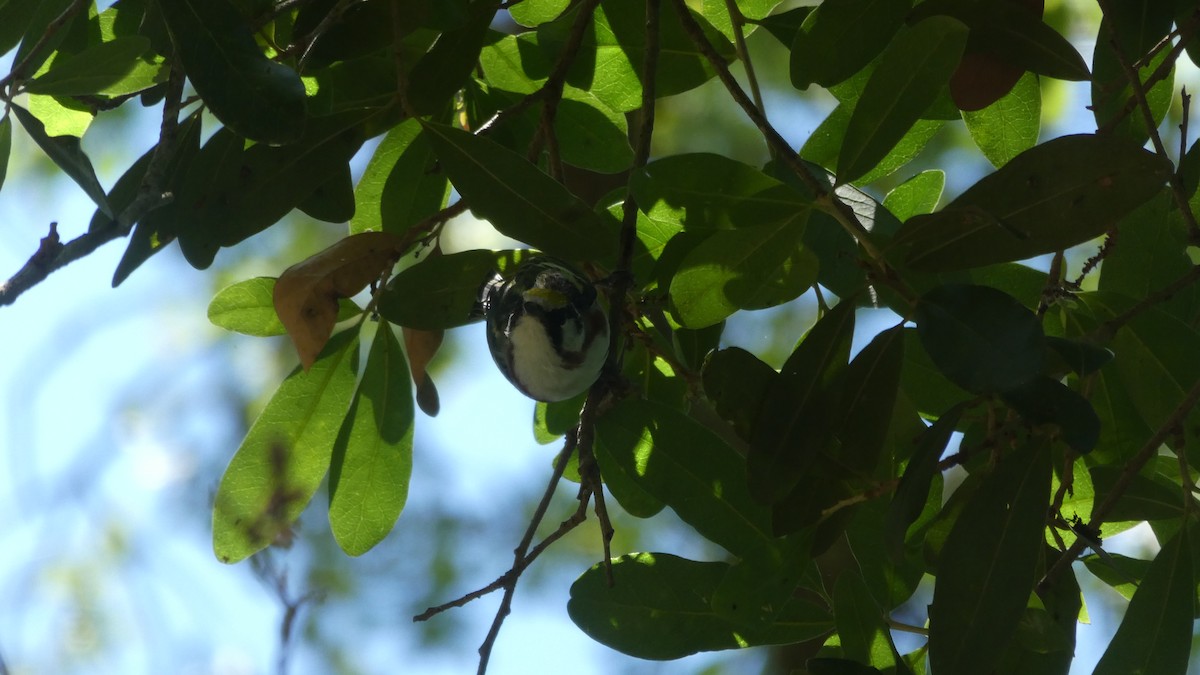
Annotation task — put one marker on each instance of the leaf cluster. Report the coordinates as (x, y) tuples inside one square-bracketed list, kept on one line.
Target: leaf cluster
[(1066, 390)]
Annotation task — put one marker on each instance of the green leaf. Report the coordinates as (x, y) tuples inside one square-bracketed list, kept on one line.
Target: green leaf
[(853, 30), (914, 70), (252, 95), (399, 186), (1045, 400), (689, 468), (286, 453), (737, 382), (755, 11), (441, 291), (865, 635), (1155, 636), (552, 420), (38, 43), (792, 424), (1150, 252), (703, 191), (67, 153), (988, 565), (982, 339), (333, 200), (1139, 26), (1157, 363), (826, 665), (913, 490), (440, 72), (1083, 358), (1009, 126), (659, 609), (156, 229), (518, 200), (113, 68), (609, 62), (1051, 197), (868, 397), (1012, 34), (921, 380), (248, 307), (372, 458), (533, 13), (919, 194), (1148, 496), (232, 192), (749, 268), (5, 146)]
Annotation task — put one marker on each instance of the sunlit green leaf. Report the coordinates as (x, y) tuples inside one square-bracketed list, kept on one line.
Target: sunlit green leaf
[(372, 458), (108, 69), (1009, 126), (286, 453), (247, 307), (399, 186), (919, 194)]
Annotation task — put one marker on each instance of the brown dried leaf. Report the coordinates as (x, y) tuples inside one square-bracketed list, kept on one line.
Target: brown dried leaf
[(422, 346), (307, 293)]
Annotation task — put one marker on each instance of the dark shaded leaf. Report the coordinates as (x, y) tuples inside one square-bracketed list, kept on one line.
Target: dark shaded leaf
[(792, 424), (914, 71), (66, 152), (441, 292), (737, 382), (982, 339), (1083, 358), (500, 186), (865, 635), (687, 467), (855, 30), (988, 565), (1045, 400), (251, 94), (659, 609), (333, 200), (1155, 636), (440, 72), (1053, 196), (913, 490)]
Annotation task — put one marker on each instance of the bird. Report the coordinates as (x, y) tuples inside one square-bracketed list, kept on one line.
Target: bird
[(547, 327)]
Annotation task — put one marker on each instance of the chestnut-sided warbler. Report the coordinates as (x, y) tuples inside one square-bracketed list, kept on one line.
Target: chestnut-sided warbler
[(546, 328)]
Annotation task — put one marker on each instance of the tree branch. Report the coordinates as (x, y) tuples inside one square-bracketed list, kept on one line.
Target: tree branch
[(1147, 452), (52, 256)]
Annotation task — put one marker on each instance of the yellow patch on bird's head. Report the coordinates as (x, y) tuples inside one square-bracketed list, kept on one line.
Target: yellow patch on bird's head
[(546, 297)]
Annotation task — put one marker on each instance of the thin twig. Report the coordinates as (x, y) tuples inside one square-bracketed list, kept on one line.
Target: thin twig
[(519, 554), (1148, 450), (150, 197), (553, 85), (1139, 92), (823, 199), (1109, 328), (1164, 69), (738, 22)]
